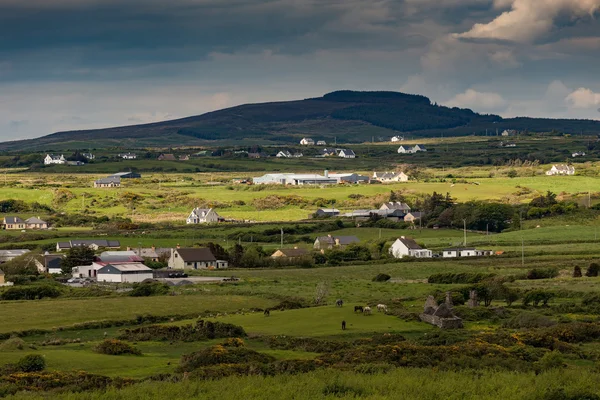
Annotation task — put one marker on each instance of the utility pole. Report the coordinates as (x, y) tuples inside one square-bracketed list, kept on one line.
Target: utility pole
[(522, 252), (282, 238), (487, 229), (465, 231)]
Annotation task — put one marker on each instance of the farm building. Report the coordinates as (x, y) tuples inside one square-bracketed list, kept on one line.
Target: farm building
[(307, 142), (8, 255), (203, 216), (327, 212), (291, 254), (194, 258), (349, 178), (294, 179), (466, 252), (124, 273), (561, 170), (405, 247), (329, 242), (108, 182), (52, 159), (395, 205), (93, 244), (126, 175)]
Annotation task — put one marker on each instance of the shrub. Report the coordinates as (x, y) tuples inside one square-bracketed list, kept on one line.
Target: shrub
[(591, 299), (234, 342), (146, 289), (549, 361), (592, 270), (219, 354), (382, 278), (14, 343), (31, 292), (31, 363), (542, 273), (536, 297), (203, 330), (116, 347), (338, 389), (577, 272), (528, 320), (450, 278)]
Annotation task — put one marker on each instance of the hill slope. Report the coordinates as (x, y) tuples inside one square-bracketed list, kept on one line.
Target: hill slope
[(345, 115)]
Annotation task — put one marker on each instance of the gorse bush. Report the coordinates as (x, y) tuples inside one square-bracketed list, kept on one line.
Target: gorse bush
[(219, 354), (592, 270), (542, 273), (466, 277), (116, 347), (31, 363), (382, 278)]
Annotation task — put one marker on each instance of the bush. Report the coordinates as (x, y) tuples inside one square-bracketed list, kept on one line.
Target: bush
[(31, 363), (592, 270), (450, 278), (116, 347), (542, 273), (146, 289), (219, 354), (577, 272), (528, 320), (536, 297), (591, 299), (203, 330), (14, 343), (549, 361), (382, 278), (31, 292)]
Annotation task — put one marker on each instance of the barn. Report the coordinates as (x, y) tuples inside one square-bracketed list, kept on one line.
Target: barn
[(124, 273)]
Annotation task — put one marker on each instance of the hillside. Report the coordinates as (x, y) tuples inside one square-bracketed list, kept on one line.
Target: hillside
[(346, 116)]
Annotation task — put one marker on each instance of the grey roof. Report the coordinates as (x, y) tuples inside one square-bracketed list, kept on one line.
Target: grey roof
[(14, 220), (124, 268), (13, 253), (152, 252), (344, 240), (97, 242), (124, 174), (196, 254), (396, 205), (109, 180), (294, 252), (410, 243), (35, 220), (417, 214)]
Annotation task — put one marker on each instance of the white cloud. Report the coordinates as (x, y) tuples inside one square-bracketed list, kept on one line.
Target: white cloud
[(479, 101), (528, 20), (583, 98)]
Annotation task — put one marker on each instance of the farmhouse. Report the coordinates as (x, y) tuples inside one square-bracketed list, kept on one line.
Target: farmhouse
[(93, 244), (124, 273), (328, 152), (385, 177), (346, 153), (307, 142), (126, 175), (294, 179), (36, 223), (321, 143), (578, 154), (52, 159), (413, 216), (284, 154), (405, 150), (8, 255), (395, 205), (194, 258), (329, 242), (109, 182), (466, 252), (128, 156), (203, 216), (397, 139), (561, 170), (89, 156), (405, 247), (167, 157), (327, 212), (419, 147), (290, 254), (10, 223)]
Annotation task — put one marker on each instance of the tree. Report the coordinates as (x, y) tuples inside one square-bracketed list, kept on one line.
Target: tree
[(577, 272), (592, 270), (393, 196), (76, 256), (321, 293), (512, 173)]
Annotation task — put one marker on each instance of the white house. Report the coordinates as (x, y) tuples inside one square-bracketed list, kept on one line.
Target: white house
[(128, 156), (390, 176), (194, 258), (578, 154), (89, 156), (203, 216), (509, 132), (397, 139), (405, 247), (284, 154), (466, 252), (297, 155), (419, 147), (52, 159), (294, 179), (561, 170), (124, 273), (108, 182), (307, 142), (346, 153), (321, 143), (413, 216), (405, 150), (395, 205)]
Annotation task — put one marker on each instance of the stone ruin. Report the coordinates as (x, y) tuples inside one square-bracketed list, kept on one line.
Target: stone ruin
[(441, 316)]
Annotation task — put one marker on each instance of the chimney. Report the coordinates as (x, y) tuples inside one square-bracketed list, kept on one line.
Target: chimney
[(128, 248), (178, 246), (402, 237), (326, 174), (153, 248)]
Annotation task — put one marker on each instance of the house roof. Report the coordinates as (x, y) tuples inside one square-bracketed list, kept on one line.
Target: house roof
[(13, 253), (396, 205), (34, 220), (410, 243), (14, 220), (416, 214), (344, 240), (108, 180), (152, 252), (201, 212), (121, 174), (329, 210), (130, 267), (196, 254), (294, 252), (125, 256), (52, 260), (461, 249), (170, 157), (97, 242), (348, 152)]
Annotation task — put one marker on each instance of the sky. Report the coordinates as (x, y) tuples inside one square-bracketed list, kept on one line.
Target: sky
[(84, 64)]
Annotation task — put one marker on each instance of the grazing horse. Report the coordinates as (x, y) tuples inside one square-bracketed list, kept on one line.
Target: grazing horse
[(267, 313), (358, 308), (339, 302), (343, 325), (367, 310), (381, 307)]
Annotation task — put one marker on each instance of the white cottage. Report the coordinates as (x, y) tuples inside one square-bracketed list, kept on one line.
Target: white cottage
[(203, 216), (307, 142), (561, 170), (52, 159), (405, 247)]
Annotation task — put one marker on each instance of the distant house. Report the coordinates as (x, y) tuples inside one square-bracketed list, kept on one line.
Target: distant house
[(119, 257), (8, 255), (167, 157), (294, 179), (50, 264), (194, 258), (395, 205), (153, 253), (291, 254), (507, 144), (126, 175), (254, 155), (561, 170), (124, 273), (413, 216), (405, 150), (109, 182), (128, 156), (578, 154), (466, 252), (184, 157), (509, 132), (328, 152), (321, 143), (36, 223), (346, 153), (89, 156), (53, 159), (419, 147), (397, 139), (385, 177), (307, 142), (284, 154), (405, 247), (297, 155), (330, 242), (203, 216), (93, 244), (10, 223), (327, 212)]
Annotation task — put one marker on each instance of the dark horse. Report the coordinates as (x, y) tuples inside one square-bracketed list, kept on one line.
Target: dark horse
[(358, 308), (343, 325), (267, 313), (339, 302)]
